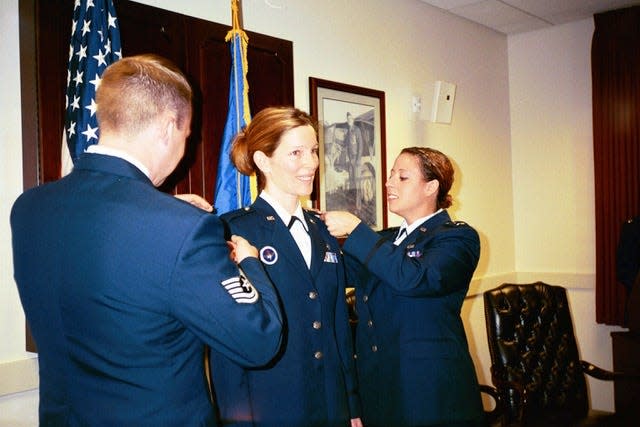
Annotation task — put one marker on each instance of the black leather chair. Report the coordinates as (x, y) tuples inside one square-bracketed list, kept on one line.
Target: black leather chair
[(535, 365)]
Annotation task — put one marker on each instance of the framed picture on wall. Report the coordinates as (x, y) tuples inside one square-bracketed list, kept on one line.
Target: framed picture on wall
[(351, 133)]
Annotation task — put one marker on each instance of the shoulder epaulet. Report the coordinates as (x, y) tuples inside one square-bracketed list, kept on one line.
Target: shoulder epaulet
[(455, 224), (390, 231), (313, 216), (312, 212), (233, 215)]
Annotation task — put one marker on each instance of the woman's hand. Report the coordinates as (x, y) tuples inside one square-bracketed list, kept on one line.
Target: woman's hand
[(196, 201), (340, 223), (240, 249)]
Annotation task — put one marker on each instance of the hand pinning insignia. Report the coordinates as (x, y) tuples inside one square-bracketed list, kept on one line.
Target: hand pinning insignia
[(241, 289)]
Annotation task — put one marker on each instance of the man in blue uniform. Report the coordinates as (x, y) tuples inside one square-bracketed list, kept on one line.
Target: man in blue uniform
[(123, 285)]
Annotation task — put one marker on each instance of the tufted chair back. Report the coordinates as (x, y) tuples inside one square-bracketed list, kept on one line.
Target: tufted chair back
[(534, 356)]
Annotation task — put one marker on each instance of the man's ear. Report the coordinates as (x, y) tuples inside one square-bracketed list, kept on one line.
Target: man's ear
[(167, 127), (262, 162)]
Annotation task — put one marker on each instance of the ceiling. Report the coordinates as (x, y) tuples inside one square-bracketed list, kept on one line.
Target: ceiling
[(519, 16)]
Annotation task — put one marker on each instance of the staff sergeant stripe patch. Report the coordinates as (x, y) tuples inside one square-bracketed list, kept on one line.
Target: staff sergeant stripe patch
[(241, 289)]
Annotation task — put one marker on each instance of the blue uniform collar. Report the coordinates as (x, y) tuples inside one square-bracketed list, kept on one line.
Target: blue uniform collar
[(109, 165)]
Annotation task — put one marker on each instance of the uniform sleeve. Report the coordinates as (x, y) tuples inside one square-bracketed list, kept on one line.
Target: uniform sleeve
[(345, 341), (235, 313), (443, 264)]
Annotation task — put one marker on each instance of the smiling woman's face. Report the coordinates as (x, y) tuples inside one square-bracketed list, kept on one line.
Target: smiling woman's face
[(289, 172), (408, 193)]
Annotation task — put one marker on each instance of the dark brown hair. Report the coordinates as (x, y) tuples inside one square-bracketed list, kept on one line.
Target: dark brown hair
[(435, 165), (263, 134)]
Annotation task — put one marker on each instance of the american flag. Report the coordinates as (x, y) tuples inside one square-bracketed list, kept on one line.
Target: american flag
[(95, 43)]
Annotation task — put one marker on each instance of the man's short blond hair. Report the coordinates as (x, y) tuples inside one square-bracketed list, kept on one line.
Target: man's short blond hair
[(137, 89)]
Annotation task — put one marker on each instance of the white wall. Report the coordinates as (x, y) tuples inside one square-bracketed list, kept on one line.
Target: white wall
[(18, 369), (552, 148), (535, 217)]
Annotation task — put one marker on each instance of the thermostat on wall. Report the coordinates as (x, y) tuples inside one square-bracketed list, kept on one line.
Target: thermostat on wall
[(443, 97)]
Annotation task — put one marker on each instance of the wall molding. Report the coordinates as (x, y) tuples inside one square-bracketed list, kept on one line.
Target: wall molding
[(18, 376)]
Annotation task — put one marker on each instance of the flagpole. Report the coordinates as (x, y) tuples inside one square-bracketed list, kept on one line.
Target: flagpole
[(236, 14), (237, 31)]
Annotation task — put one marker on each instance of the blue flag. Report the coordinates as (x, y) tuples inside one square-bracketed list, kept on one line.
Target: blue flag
[(233, 188), (95, 43)]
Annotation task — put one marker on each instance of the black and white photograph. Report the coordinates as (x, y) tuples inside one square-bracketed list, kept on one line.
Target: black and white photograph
[(352, 147)]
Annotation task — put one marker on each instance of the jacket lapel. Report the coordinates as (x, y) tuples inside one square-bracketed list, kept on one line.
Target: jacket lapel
[(319, 247), (280, 237)]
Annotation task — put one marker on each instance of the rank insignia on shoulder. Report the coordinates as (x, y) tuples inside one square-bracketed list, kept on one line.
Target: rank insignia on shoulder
[(240, 289), (331, 257), (233, 215), (455, 223)]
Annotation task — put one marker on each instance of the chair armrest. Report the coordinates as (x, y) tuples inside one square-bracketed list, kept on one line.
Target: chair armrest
[(496, 416), (511, 412), (602, 374)]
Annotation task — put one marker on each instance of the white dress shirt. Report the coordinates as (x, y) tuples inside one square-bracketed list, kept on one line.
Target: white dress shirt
[(406, 229), (299, 229)]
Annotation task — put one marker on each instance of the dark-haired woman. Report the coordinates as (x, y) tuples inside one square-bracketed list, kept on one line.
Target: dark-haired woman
[(413, 361)]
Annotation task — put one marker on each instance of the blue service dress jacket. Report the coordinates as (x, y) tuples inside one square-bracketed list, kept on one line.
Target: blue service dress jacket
[(311, 382), (413, 361), (122, 286)]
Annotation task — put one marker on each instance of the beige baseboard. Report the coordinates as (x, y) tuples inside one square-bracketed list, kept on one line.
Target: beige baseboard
[(20, 375)]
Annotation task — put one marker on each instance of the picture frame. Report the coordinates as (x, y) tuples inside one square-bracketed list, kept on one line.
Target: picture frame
[(352, 150)]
